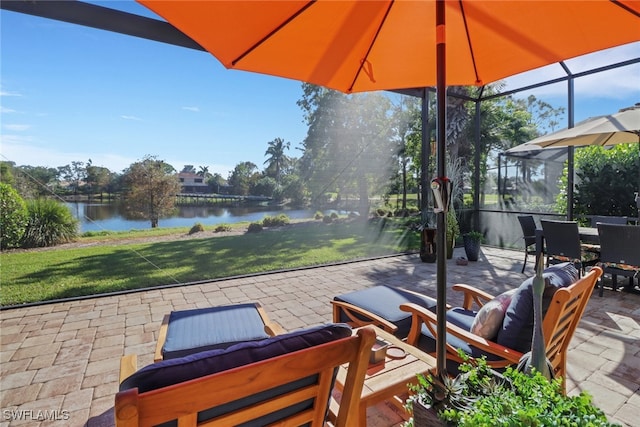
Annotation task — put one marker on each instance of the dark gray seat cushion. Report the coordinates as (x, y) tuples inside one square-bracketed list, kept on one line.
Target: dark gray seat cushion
[(385, 301), (194, 331), (174, 371)]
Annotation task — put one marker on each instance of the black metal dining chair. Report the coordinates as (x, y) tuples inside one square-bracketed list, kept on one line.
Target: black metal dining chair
[(562, 244), (619, 252), (528, 225)]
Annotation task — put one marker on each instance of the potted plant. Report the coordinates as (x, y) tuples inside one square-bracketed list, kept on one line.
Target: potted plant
[(527, 399), (453, 231), (472, 241), (480, 396), (434, 394)]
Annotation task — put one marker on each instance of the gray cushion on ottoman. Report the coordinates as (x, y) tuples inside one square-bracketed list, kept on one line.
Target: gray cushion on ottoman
[(193, 331), (385, 302)]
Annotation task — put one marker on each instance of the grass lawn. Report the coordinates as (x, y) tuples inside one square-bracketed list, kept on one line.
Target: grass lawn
[(31, 276)]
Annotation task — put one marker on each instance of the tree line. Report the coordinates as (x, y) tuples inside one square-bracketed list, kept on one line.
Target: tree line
[(357, 147)]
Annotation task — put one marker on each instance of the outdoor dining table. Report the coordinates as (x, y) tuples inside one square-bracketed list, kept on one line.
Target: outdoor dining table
[(587, 235)]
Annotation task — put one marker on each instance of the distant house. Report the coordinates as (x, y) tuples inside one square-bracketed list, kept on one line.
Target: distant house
[(192, 183)]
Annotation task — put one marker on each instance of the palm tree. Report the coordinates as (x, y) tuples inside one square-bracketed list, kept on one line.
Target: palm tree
[(204, 172), (277, 158)]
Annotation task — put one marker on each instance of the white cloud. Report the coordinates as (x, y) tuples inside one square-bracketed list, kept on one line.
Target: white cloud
[(194, 109), (130, 117), (5, 93), (16, 127), (4, 110)]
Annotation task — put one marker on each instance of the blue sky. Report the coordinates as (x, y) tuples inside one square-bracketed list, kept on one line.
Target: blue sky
[(71, 93)]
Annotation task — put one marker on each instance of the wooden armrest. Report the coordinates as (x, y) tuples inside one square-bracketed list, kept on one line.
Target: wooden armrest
[(420, 316), (472, 295), (352, 312), (128, 366), (272, 329), (162, 337)]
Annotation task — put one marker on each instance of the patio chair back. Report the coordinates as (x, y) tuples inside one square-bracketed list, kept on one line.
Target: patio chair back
[(619, 244), (562, 318), (528, 225), (255, 384), (562, 243), (619, 250), (562, 240), (605, 219)]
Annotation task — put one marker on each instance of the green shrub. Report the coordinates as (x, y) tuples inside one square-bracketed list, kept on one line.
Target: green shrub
[(254, 227), (334, 215), (49, 223), (13, 217), (222, 228), (319, 215), (197, 228), (327, 219), (607, 181), (275, 221)]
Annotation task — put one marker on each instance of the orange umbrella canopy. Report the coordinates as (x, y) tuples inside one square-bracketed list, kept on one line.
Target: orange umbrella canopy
[(356, 46)]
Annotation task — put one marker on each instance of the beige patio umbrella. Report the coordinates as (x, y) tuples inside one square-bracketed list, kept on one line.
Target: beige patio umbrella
[(622, 127), (369, 45)]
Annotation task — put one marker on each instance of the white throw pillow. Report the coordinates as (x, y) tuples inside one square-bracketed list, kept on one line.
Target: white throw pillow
[(489, 319)]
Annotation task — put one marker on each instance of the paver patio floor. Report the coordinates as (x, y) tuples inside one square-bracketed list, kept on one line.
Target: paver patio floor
[(64, 356)]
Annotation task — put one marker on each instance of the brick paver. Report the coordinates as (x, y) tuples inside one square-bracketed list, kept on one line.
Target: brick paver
[(61, 359)]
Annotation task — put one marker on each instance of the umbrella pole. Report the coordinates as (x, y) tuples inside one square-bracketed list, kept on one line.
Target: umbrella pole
[(441, 271)]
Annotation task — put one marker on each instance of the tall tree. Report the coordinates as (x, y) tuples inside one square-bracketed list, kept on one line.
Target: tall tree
[(6, 173), (74, 174), (98, 177), (216, 181), (34, 181), (242, 177), (151, 189), (277, 158), (405, 115), (348, 147)]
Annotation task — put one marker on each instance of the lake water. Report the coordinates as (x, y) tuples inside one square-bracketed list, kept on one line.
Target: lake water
[(111, 217)]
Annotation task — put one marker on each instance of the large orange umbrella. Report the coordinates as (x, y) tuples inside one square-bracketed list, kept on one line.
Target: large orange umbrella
[(356, 46)]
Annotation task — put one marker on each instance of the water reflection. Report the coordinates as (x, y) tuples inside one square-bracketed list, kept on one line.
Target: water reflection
[(112, 216)]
